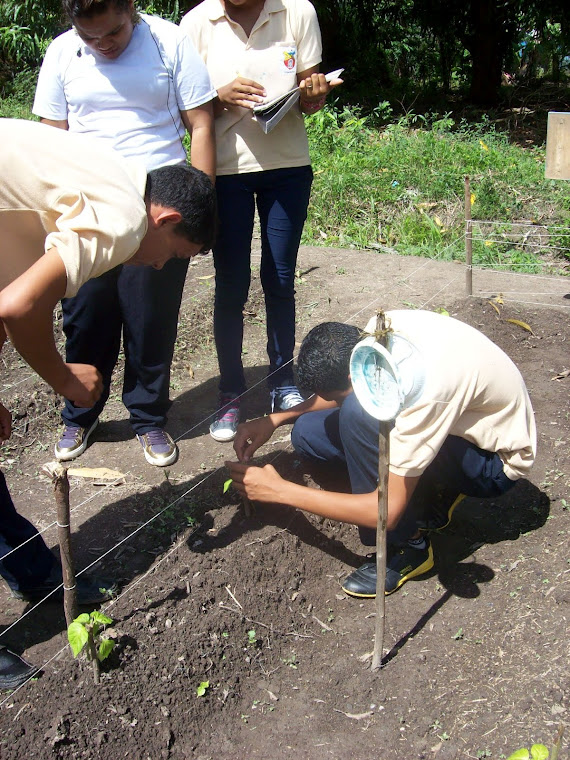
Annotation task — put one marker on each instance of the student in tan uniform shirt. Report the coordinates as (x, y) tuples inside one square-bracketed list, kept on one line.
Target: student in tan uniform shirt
[(71, 209), (466, 427)]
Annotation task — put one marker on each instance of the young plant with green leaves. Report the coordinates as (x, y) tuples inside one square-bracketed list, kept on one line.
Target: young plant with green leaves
[(537, 752), (86, 633)]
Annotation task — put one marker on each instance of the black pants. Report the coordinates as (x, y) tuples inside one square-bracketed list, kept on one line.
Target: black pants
[(32, 562), (142, 303)]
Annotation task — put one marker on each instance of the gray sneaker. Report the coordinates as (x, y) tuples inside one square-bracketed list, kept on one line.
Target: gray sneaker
[(225, 424), (285, 398), (73, 442)]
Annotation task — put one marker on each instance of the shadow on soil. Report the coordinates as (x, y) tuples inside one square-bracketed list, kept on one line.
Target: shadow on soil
[(475, 522)]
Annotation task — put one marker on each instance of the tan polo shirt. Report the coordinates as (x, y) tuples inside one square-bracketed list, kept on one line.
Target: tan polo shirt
[(67, 191), (472, 390), (285, 41)]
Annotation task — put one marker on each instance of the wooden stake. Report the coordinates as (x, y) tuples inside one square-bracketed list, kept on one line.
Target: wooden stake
[(247, 506), (383, 460), (61, 490), (468, 239)]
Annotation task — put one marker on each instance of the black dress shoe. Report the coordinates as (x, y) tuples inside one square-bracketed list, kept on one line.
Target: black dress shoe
[(14, 671), (90, 589)]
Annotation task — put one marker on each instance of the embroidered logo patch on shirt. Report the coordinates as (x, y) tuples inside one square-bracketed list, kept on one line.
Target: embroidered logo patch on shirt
[(289, 59)]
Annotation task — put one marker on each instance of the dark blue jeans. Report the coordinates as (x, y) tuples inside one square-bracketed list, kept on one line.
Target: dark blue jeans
[(349, 437), (142, 304), (31, 563), (282, 197)]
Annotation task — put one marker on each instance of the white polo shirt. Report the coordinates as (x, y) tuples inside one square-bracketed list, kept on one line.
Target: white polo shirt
[(70, 192), (284, 41), (134, 101)]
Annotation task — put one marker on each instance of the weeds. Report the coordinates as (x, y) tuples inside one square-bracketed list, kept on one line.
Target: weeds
[(402, 189)]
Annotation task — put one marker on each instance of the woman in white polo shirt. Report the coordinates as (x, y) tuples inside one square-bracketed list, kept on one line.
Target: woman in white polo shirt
[(256, 50), (136, 82)]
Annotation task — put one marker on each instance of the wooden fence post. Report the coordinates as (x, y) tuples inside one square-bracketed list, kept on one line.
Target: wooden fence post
[(468, 240), (383, 461), (558, 146)]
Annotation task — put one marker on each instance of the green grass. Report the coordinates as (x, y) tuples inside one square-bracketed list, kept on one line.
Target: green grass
[(402, 188)]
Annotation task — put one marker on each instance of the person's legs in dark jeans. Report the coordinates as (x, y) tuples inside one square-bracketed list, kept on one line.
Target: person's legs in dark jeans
[(282, 201), (236, 208), (150, 303), (350, 435)]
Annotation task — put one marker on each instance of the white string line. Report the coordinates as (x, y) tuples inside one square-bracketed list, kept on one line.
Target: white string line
[(525, 303), (551, 278), (444, 287), (112, 549), (534, 225), (509, 268), (10, 386), (522, 292), (14, 691), (133, 533), (76, 507), (179, 498), (521, 243)]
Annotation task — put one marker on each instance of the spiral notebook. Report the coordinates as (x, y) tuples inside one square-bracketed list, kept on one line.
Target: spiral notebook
[(269, 114)]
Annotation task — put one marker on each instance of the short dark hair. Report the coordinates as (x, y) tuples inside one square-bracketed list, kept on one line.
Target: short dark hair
[(323, 364), (89, 8), (190, 192)]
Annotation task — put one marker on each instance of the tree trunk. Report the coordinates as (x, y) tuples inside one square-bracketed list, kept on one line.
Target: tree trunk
[(486, 52)]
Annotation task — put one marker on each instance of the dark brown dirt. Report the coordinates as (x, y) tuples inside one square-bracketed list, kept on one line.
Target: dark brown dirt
[(477, 652)]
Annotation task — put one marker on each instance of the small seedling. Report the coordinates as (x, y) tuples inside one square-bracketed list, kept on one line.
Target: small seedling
[(251, 637), (537, 752), (202, 688), (84, 633), (291, 661), (227, 484)]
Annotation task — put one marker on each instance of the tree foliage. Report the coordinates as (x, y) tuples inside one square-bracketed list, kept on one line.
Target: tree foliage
[(390, 50)]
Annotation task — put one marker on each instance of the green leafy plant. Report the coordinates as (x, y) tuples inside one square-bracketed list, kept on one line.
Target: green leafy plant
[(85, 633), (227, 484), (537, 752)]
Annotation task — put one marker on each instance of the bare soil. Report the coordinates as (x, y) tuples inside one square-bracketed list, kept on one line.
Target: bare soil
[(477, 652)]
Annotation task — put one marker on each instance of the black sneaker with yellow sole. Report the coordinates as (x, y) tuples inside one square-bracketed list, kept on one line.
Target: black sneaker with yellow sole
[(403, 563), (438, 518)]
